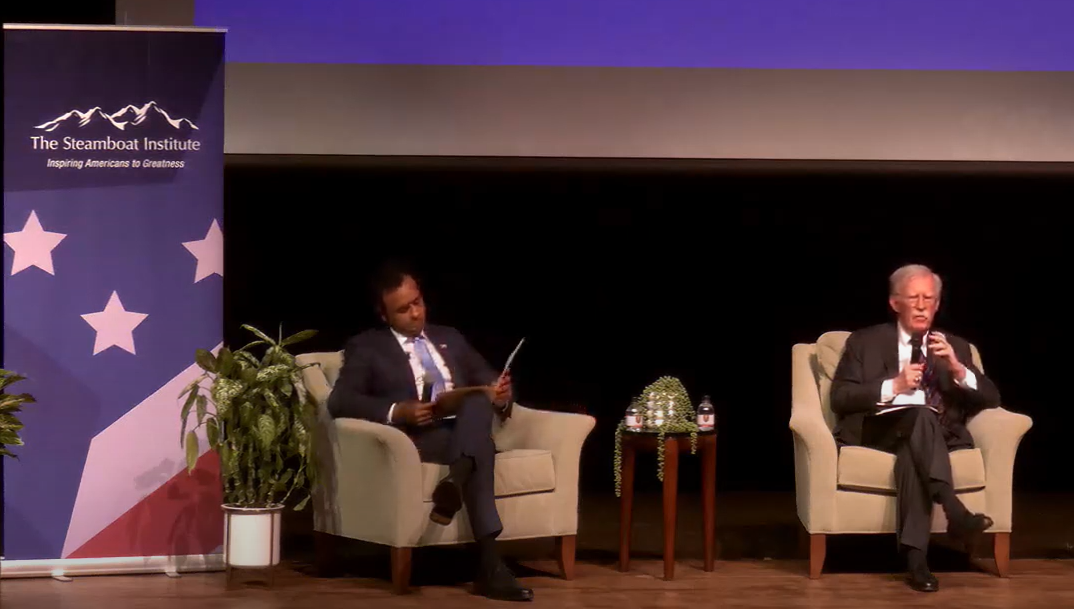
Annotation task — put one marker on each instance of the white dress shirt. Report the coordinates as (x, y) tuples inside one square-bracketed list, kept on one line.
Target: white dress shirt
[(407, 344), (917, 397)]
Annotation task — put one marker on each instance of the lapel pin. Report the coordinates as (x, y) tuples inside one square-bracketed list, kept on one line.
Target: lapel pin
[(443, 346)]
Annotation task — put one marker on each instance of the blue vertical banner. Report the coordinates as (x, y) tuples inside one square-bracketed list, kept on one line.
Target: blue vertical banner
[(113, 277)]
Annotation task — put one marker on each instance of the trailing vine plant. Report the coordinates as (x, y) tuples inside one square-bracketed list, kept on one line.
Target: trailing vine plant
[(665, 408)]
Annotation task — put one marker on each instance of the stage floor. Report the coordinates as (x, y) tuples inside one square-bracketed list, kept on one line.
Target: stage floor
[(748, 583), (761, 564)]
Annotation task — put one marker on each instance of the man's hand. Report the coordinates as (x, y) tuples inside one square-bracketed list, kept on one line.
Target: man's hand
[(413, 412), (909, 379), (939, 346), (502, 391)]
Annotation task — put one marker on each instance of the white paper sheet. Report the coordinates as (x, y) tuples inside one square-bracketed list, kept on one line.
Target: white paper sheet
[(903, 407), (511, 357)]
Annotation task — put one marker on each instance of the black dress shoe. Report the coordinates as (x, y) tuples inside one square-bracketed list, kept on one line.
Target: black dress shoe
[(501, 585), (447, 501), (969, 526), (923, 580)]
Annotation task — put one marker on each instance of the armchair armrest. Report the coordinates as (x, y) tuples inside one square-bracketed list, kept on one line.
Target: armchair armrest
[(997, 432), (373, 490), (816, 462), (816, 458), (561, 433)]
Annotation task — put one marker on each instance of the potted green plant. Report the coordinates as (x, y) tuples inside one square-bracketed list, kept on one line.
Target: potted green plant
[(10, 406), (260, 425)]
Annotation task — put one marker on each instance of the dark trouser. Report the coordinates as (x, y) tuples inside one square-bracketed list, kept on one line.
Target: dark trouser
[(921, 447), (469, 434)]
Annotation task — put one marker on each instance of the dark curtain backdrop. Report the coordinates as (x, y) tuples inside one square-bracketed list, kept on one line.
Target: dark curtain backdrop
[(620, 272)]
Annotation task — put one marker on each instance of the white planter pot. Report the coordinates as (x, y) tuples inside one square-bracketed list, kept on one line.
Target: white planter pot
[(252, 536)]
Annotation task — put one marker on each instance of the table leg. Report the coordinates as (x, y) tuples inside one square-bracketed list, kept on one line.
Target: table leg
[(708, 500), (671, 493), (626, 505)]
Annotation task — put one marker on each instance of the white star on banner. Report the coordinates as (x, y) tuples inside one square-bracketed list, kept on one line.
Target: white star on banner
[(209, 252), (33, 246), (114, 325)]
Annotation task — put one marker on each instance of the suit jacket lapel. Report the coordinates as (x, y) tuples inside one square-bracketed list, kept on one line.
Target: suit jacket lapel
[(444, 346), (891, 351), (400, 362)]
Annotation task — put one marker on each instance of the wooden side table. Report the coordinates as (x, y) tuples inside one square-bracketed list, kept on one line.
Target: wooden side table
[(673, 444)]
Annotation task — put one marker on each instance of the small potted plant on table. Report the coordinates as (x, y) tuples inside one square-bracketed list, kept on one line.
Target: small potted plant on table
[(662, 408)]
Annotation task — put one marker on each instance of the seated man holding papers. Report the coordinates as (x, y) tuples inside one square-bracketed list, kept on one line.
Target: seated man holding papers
[(385, 371), (908, 389)]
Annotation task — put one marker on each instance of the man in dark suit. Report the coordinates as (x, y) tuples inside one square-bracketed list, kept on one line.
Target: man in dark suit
[(384, 373), (911, 363)]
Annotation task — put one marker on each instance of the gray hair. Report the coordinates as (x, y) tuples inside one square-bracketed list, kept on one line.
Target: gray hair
[(905, 273)]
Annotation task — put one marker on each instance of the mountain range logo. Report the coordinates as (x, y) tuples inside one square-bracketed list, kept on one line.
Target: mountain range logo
[(129, 116)]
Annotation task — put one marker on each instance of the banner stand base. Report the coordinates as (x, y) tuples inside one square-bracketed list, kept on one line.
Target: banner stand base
[(64, 568)]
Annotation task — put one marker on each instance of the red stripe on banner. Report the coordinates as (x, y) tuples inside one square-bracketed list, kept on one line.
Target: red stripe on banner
[(181, 517)]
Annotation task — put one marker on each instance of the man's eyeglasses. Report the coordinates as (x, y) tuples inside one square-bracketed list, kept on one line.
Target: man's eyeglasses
[(919, 299)]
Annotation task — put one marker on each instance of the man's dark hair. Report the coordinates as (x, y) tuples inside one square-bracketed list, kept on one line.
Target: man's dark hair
[(387, 277)]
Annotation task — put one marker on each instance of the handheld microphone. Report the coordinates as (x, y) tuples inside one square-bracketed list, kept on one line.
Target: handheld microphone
[(427, 382), (917, 356)]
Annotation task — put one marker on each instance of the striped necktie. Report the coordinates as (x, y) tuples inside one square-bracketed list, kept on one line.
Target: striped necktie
[(429, 365), (930, 383)]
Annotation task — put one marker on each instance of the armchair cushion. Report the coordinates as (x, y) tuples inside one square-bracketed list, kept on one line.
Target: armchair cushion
[(518, 472), (867, 470)]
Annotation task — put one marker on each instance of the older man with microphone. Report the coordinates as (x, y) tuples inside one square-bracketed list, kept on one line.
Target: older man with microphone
[(911, 364)]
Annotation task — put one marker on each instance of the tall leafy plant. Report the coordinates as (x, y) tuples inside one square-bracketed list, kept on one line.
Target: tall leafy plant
[(256, 419), (10, 406)]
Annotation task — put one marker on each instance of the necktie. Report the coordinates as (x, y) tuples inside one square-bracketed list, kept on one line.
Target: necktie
[(932, 389), (426, 357)]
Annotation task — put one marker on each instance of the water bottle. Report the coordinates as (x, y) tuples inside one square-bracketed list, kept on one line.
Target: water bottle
[(633, 418), (706, 415)]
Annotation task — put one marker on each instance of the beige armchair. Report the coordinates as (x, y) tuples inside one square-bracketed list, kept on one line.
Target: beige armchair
[(374, 487), (852, 490)]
